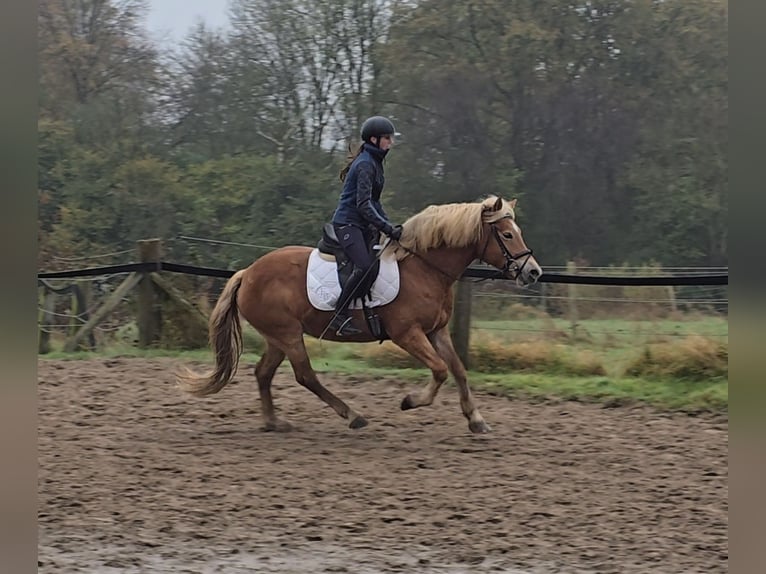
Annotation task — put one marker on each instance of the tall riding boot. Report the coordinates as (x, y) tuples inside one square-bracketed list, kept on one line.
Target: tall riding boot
[(342, 323)]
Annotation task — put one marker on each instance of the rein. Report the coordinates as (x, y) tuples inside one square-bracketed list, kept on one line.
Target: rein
[(431, 265), (510, 258)]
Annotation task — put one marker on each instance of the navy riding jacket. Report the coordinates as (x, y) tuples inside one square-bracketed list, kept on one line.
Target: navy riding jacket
[(360, 199)]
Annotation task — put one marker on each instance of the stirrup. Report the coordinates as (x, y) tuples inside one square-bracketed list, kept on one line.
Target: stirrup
[(346, 327)]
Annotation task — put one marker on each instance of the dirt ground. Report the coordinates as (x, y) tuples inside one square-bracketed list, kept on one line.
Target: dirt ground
[(135, 476)]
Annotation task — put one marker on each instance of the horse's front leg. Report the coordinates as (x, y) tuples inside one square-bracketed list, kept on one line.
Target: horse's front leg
[(442, 342), (437, 353), (417, 344)]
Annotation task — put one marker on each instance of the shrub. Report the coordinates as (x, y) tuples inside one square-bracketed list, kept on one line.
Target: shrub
[(180, 330), (488, 355), (693, 358), (492, 356)]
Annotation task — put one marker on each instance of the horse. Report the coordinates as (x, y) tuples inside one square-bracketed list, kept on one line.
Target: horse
[(436, 246)]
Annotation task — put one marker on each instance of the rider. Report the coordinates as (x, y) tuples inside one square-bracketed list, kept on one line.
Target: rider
[(359, 215)]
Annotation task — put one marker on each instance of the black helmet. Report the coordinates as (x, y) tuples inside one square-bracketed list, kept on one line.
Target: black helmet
[(377, 126)]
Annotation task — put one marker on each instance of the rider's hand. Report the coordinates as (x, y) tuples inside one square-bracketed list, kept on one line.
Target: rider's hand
[(396, 232)]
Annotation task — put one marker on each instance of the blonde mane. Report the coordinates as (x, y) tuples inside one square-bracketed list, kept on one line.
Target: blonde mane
[(448, 225)]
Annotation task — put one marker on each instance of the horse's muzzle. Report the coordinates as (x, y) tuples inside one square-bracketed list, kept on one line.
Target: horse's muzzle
[(528, 274), (534, 275)]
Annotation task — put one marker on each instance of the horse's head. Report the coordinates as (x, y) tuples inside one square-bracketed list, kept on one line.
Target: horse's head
[(503, 245)]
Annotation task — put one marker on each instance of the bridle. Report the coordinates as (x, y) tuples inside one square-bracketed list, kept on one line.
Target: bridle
[(511, 260)]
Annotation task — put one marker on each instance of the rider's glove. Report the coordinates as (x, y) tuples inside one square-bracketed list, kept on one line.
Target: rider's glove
[(395, 233)]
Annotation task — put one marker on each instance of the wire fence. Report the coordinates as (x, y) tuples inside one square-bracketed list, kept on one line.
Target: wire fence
[(637, 300), (507, 315)]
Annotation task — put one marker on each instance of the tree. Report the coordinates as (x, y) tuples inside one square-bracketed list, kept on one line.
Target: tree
[(607, 119), (561, 104), (679, 177), (203, 113), (96, 68), (305, 72), (257, 201)]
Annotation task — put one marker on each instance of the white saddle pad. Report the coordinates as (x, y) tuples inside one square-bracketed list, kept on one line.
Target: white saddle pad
[(324, 289)]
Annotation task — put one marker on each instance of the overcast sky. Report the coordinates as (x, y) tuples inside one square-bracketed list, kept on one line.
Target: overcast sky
[(170, 20)]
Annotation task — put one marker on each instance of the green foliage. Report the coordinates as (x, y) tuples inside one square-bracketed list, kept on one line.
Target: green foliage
[(608, 121), (103, 203), (530, 369), (495, 356), (257, 200), (490, 355), (695, 358), (693, 398)]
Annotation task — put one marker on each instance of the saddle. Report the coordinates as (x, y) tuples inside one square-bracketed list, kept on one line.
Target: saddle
[(330, 248)]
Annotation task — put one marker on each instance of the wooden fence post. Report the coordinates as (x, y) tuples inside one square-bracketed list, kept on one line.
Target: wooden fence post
[(46, 318), (84, 298), (74, 320), (461, 320), (572, 298), (544, 297), (672, 297), (79, 315), (112, 301), (149, 320)]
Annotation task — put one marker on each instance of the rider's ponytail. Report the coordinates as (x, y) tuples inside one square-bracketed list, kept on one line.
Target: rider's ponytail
[(351, 157)]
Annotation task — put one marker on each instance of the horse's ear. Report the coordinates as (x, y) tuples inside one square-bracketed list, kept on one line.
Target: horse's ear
[(498, 204), (512, 203)]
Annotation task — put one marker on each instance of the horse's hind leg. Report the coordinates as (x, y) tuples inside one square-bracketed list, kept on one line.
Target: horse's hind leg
[(264, 373), (305, 375), (438, 354)]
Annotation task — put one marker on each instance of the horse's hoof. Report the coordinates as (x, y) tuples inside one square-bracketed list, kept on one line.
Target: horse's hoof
[(358, 422), (407, 403), (277, 426), (479, 427)]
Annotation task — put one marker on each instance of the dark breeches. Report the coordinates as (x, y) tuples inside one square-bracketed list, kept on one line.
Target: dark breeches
[(355, 243)]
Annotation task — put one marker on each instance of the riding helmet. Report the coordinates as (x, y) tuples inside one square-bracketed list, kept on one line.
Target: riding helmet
[(377, 126)]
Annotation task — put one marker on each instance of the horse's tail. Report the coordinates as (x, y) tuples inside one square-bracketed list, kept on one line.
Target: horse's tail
[(225, 331)]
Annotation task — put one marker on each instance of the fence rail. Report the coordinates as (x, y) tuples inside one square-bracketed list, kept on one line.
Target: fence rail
[(470, 273), (146, 277)]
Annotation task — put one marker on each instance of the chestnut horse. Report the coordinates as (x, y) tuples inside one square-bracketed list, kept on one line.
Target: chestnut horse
[(436, 247)]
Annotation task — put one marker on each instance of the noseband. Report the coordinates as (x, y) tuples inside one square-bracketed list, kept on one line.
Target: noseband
[(511, 262)]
